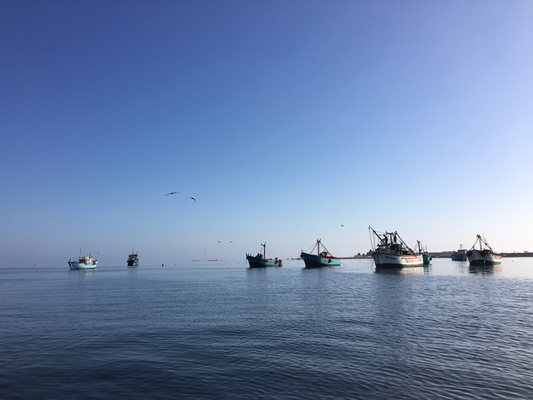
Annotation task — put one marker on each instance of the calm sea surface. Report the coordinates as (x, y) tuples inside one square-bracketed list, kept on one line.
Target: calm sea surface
[(218, 330)]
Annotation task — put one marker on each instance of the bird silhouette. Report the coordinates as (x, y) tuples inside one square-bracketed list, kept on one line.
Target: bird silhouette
[(172, 193), (193, 198)]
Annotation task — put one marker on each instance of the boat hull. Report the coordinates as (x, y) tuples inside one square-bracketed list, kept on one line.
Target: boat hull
[(313, 261), (477, 257), (396, 261), (133, 263), (459, 257), (256, 262), (426, 258)]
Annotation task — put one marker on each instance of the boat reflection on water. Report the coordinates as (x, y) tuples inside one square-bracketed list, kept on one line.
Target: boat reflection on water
[(402, 270), (305, 268), (83, 273), (485, 269)]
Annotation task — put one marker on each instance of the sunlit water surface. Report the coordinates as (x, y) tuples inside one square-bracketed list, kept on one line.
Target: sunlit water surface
[(218, 330)]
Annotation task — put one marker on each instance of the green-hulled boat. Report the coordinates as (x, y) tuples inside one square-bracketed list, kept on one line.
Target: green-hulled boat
[(425, 255)]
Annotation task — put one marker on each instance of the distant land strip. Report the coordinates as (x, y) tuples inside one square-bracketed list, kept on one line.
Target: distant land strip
[(448, 254)]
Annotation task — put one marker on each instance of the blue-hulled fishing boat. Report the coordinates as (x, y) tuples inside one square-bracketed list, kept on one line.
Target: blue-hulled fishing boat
[(133, 259), (260, 260), (459, 255), (321, 259), (84, 262)]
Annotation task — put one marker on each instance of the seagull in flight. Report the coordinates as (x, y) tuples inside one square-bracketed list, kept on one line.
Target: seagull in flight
[(172, 193), (193, 198)]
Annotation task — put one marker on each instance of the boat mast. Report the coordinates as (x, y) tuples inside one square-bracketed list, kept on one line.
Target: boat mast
[(264, 250), (379, 238), (482, 238), (318, 247)]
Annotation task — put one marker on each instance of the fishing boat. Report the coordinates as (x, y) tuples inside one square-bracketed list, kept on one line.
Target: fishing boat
[(84, 262), (133, 259), (320, 259), (485, 255), (426, 258), (260, 260), (459, 255), (391, 251)]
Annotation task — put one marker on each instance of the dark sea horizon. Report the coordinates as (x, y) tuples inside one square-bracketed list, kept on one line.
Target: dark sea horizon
[(220, 330)]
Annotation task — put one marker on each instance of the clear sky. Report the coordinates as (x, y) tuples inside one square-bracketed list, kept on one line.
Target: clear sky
[(283, 119)]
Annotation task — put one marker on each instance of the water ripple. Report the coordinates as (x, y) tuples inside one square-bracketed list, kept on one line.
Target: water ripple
[(276, 334)]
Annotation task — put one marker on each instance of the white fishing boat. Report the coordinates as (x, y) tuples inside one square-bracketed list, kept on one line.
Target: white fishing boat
[(84, 262), (391, 251), (485, 255)]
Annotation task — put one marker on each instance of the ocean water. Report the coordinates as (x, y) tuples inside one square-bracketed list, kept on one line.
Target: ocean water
[(219, 330)]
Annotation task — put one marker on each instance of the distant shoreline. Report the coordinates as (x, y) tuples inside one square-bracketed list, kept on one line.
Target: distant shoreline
[(448, 254)]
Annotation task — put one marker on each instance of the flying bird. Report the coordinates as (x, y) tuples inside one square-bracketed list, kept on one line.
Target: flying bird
[(193, 198), (172, 193)]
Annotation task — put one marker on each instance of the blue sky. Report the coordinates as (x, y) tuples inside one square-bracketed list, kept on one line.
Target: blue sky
[(285, 120)]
